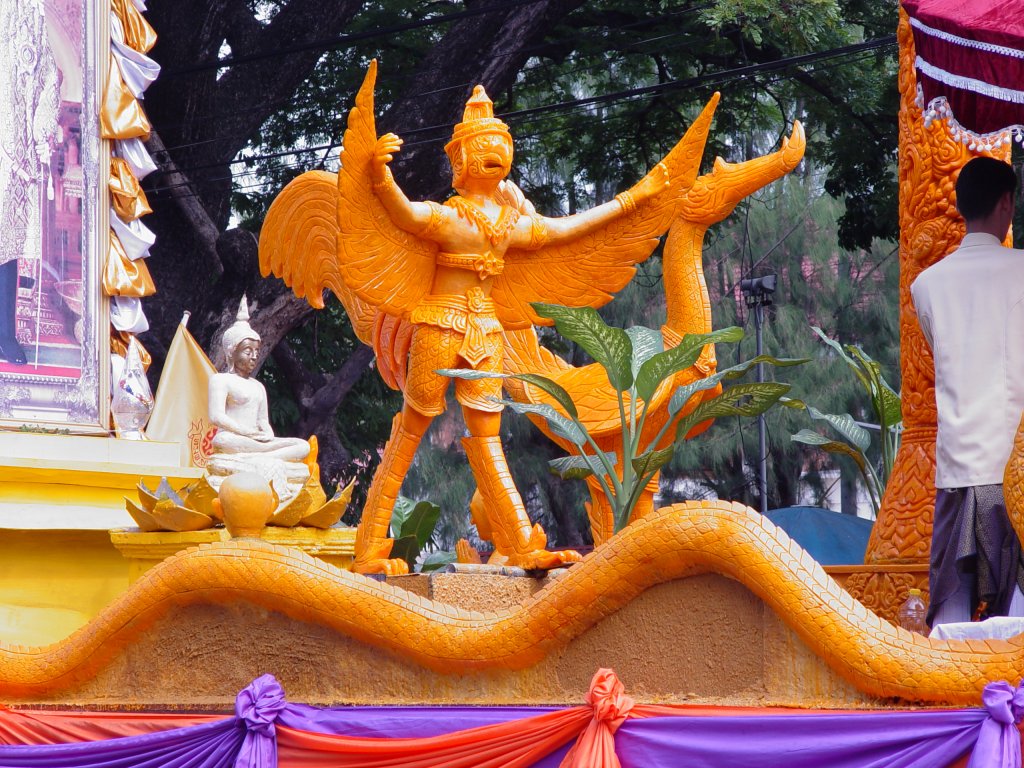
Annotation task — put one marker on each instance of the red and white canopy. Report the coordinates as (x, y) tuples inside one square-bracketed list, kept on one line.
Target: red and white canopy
[(970, 65)]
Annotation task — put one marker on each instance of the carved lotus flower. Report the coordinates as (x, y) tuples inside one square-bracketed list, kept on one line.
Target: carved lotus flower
[(187, 509)]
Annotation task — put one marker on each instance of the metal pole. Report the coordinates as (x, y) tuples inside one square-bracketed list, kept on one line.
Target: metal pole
[(757, 292), (762, 444)]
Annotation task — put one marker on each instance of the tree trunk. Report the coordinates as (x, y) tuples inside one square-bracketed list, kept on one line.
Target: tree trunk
[(204, 116)]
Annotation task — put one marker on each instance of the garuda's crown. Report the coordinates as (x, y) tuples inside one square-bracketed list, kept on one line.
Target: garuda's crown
[(478, 118)]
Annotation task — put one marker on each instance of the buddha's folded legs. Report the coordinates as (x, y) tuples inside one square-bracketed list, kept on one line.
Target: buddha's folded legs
[(283, 448)]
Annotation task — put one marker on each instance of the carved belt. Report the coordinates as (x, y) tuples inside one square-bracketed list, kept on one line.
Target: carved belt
[(487, 264), (471, 315)]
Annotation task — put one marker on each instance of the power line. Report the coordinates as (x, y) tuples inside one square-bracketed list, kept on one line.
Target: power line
[(347, 39), (384, 79), (298, 161), (520, 116), (575, 105), (712, 78), (337, 115)]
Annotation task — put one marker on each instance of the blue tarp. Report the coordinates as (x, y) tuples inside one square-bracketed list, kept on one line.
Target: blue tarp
[(830, 537)]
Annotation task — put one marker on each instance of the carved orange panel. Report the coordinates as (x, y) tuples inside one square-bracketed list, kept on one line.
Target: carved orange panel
[(929, 229)]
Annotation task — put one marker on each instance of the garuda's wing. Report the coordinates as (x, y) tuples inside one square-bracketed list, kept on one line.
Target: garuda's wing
[(381, 264), (297, 244), (586, 271)]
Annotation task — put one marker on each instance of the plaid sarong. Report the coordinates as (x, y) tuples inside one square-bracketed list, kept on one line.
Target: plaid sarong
[(972, 535)]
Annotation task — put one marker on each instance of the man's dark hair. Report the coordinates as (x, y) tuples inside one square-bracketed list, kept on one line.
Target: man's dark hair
[(981, 185)]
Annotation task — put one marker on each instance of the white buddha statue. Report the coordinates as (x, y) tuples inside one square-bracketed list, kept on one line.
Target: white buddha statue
[(245, 441)]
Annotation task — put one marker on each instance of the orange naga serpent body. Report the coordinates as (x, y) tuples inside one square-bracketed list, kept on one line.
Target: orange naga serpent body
[(669, 543)]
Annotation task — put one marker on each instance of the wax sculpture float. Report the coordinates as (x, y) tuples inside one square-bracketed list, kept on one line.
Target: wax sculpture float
[(432, 286)]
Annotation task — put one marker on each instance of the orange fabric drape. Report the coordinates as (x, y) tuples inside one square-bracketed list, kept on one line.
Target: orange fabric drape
[(127, 196), (516, 744), (610, 705), (42, 727), (121, 115)]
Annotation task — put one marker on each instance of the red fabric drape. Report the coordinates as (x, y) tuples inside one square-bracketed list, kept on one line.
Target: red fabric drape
[(971, 48), (45, 727), (515, 744), (998, 22)]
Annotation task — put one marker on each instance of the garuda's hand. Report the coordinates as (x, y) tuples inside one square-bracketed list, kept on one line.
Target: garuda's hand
[(655, 182), (384, 150)]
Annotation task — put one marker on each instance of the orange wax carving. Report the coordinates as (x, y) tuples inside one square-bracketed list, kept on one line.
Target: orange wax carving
[(462, 275)]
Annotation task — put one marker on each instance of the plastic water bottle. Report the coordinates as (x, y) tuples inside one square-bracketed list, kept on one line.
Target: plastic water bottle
[(913, 613)]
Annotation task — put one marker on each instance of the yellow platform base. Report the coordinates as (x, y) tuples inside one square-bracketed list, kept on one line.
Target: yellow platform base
[(73, 482), (59, 495), (68, 548), (53, 581), (144, 550)]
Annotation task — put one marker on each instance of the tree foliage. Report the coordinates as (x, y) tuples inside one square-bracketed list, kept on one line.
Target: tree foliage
[(255, 91), (789, 229)]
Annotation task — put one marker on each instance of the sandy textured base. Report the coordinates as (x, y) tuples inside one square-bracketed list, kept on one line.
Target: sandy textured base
[(704, 639), (687, 603)]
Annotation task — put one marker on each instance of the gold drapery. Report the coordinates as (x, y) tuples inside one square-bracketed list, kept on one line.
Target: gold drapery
[(124, 277), (121, 115), (138, 34), (126, 195)]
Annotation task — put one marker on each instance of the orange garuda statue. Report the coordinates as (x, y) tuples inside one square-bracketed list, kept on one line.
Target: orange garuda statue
[(434, 286)]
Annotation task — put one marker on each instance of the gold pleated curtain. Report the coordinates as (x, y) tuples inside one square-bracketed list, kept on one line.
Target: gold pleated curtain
[(126, 278)]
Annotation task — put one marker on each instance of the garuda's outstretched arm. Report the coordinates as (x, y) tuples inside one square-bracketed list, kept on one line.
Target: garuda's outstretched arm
[(565, 229)]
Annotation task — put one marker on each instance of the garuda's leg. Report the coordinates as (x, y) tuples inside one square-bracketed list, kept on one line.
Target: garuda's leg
[(373, 546), (515, 540)]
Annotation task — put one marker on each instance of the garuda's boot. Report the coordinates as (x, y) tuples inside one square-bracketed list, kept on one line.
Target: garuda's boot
[(515, 540), (373, 546)]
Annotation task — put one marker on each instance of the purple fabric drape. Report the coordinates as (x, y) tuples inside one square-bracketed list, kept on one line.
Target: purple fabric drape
[(258, 706), (999, 740), (925, 739), (409, 722), (870, 740), (211, 745)]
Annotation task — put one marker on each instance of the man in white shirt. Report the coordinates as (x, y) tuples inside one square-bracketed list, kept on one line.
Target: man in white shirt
[(971, 309)]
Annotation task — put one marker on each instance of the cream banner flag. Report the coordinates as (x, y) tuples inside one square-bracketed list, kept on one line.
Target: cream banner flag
[(181, 413)]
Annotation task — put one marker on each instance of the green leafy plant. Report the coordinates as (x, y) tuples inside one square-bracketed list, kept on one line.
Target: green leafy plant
[(636, 363), (412, 528), (884, 402)]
